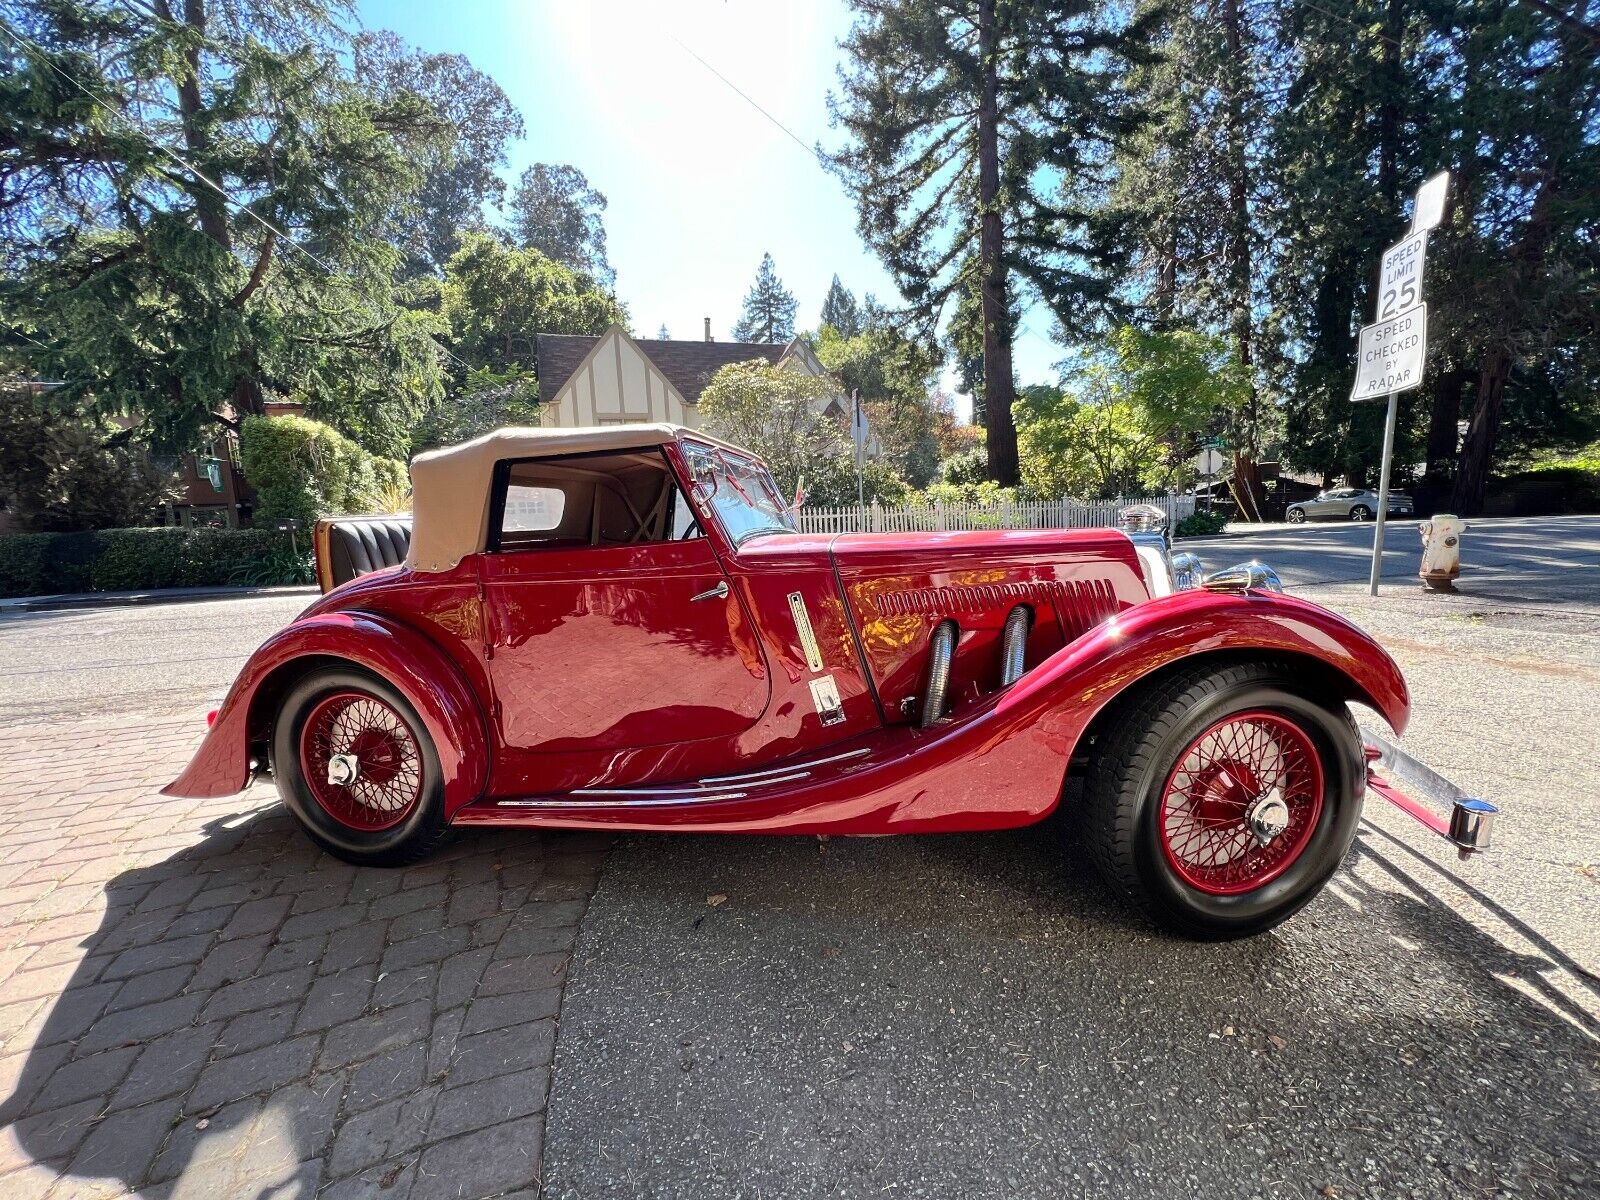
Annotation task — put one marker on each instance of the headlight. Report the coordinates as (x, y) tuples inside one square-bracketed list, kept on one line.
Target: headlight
[(1243, 577), (1164, 573)]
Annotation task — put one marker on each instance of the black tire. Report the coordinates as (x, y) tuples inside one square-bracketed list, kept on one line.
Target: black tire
[(1137, 752), (1360, 512), (1297, 516), (424, 827)]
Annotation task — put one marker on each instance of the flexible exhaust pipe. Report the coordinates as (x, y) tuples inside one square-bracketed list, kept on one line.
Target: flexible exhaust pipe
[(1014, 645), (941, 649)]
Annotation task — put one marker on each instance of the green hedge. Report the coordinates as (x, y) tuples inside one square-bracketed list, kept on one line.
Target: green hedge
[(117, 560), (1200, 523), (303, 469)]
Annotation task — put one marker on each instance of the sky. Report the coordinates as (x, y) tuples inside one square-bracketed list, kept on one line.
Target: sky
[(699, 183)]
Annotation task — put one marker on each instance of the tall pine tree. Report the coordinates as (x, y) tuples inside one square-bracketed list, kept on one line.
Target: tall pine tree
[(839, 310), (768, 308), (978, 133)]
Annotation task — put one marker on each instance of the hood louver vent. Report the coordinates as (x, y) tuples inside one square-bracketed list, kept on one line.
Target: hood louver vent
[(1081, 604)]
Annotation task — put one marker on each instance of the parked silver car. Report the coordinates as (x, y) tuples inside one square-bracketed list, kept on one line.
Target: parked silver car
[(1347, 504)]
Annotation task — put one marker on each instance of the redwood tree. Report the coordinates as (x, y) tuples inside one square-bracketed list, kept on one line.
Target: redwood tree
[(978, 133)]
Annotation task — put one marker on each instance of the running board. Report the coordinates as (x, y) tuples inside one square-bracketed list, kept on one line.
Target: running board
[(710, 790), (1470, 825)]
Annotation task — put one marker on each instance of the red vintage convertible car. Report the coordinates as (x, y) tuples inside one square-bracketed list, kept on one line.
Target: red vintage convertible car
[(621, 628)]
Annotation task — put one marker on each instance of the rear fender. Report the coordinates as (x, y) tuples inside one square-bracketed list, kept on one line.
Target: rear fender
[(422, 672)]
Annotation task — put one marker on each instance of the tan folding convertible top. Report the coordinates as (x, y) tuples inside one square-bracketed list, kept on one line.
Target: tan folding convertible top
[(451, 489)]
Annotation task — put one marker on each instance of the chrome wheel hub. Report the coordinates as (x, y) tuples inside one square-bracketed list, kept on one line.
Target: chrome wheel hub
[(343, 769), (1268, 816)]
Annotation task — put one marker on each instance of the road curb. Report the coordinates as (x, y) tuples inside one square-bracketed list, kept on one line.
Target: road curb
[(154, 596)]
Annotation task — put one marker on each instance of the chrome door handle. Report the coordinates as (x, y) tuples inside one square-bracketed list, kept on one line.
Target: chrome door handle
[(720, 592)]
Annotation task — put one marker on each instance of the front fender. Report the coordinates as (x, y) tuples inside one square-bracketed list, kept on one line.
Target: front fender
[(1095, 669), (421, 671)]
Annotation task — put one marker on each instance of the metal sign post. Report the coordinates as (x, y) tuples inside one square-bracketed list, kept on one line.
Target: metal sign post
[(858, 434), (1392, 352), (1383, 494)]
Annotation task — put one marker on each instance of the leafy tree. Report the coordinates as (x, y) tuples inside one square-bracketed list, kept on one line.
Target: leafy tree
[(1521, 93), (1180, 208), (556, 212), (839, 311), (497, 299), (976, 127), (141, 285), (779, 414), (768, 308), (893, 374), (60, 471), (489, 400), (1130, 420), (457, 157)]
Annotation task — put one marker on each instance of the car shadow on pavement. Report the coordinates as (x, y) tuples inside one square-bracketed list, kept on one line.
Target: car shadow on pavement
[(973, 1015), (253, 1018)]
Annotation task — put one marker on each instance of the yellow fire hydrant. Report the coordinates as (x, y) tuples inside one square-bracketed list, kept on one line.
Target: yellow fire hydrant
[(1441, 552)]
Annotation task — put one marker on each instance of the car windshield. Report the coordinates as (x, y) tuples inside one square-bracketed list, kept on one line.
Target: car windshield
[(740, 491)]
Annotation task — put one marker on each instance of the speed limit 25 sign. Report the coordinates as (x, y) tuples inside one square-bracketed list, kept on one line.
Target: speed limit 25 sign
[(1400, 276)]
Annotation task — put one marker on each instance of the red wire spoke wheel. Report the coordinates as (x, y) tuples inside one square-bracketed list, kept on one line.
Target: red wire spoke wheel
[(360, 760), (1241, 803)]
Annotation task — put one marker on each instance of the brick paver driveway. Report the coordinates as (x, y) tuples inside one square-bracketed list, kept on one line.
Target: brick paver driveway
[(194, 1001)]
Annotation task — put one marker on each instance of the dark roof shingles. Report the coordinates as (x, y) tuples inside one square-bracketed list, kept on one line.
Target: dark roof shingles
[(688, 366)]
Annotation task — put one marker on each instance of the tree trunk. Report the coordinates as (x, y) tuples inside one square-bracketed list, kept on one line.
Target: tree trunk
[(210, 206), (999, 387), (1477, 452), (1246, 472), (1443, 417)]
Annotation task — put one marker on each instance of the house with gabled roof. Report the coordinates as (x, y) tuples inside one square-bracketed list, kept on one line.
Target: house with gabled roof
[(615, 379)]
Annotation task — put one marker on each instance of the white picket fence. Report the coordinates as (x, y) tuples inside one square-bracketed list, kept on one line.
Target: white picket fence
[(1047, 514)]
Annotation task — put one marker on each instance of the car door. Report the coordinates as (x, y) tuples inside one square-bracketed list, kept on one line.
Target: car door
[(602, 648)]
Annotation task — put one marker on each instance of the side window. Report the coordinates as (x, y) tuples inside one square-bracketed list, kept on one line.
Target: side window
[(532, 509), (605, 499)]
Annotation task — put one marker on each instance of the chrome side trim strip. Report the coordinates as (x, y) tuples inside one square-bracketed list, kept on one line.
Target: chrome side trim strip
[(751, 776), (658, 802), (687, 789)]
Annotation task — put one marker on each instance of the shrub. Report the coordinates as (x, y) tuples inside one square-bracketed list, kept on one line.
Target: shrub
[(302, 469), (60, 470), (1200, 523), (970, 467), (114, 560)]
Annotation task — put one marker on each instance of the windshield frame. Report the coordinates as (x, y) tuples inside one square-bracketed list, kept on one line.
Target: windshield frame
[(773, 514)]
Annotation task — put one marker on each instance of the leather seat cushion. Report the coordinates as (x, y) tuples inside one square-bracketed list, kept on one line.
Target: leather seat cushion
[(358, 547)]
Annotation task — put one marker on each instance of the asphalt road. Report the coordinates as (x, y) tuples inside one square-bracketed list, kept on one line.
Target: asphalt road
[(1544, 562), (157, 658)]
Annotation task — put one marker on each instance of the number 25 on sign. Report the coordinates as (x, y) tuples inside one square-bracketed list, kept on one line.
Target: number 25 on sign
[(1400, 277)]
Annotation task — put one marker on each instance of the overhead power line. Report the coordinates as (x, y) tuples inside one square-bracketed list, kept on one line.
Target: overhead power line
[(822, 158), (38, 53)]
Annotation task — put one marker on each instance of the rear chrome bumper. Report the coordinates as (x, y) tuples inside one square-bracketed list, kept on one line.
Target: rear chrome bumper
[(1420, 792)]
